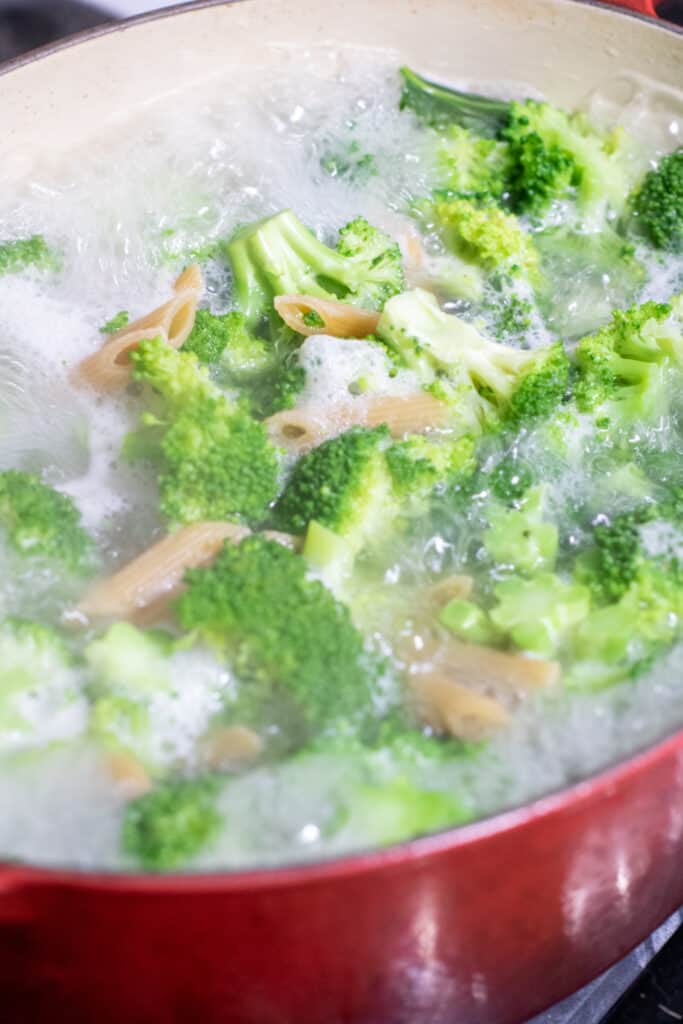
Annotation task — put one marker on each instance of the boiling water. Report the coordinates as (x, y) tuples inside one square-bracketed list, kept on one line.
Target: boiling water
[(125, 215)]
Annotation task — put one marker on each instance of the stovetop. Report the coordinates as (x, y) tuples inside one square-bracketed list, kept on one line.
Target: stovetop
[(645, 987)]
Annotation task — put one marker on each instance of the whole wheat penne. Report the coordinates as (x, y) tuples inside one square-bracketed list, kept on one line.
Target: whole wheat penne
[(485, 666), (447, 706), (154, 578), (108, 369), (339, 319), (303, 428), (129, 773), (230, 746), (451, 588)]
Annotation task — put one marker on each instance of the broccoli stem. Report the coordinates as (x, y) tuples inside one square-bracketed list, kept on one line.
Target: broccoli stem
[(439, 105)]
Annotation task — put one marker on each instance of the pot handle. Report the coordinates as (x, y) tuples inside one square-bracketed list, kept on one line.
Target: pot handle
[(648, 7)]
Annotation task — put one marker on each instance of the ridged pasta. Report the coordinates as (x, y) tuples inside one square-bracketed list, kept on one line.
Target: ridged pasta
[(449, 707), (303, 428), (230, 746), (340, 319), (108, 369)]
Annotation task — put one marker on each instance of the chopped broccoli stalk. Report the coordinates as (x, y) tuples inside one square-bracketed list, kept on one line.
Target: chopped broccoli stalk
[(166, 828), (344, 485), (469, 622), (420, 463), (484, 235), (280, 628), (217, 461), (538, 614), (130, 660), (519, 538), (657, 204), (470, 167), (484, 380), (329, 554), (42, 523), (118, 321), (441, 106), (399, 810), (41, 698), (622, 367), (599, 272), (18, 255), (279, 256)]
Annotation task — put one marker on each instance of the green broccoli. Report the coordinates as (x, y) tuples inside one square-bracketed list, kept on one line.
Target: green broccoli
[(17, 255), (343, 485), (484, 235), (135, 681), (40, 522), (551, 154), (622, 368), (512, 318), (469, 622), (41, 695), (419, 463), (519, 538), (469, 167), (599, 272), (619, 641), (226, 339), (485, 382), (279, 256), (166, 828), (397, 810), (612, 564), (510, 478), (217, 460), (657, 204), (116, 323), (350, 162), (285, 634), (539, 613)]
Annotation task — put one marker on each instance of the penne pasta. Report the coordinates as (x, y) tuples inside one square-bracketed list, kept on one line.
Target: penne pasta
[(339, 319), (129, 773), (230, 746), (108, 369), (303, 428), (451, 588), (449, 707), (485, 666), (142, 591)]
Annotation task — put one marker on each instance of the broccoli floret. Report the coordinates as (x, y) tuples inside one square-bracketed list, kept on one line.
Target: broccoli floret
[(619, 641), (42, 523), (537, 614), (349, 162), (512, 318), (519, 538), (217, 460), (551, 154), (470, 167), (166, 828), (41, 699), (227, 340), (278, 627), (599, 272), (116, 323), (343, 484), (485, 381), (138, 705), (399, 810), (613, 562), (622, 367), (25, 252), (279, 256), (420, 463), (484, 235), (510, 478), (657, 204)]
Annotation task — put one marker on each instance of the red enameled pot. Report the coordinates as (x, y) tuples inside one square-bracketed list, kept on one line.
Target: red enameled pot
[(486, 924)]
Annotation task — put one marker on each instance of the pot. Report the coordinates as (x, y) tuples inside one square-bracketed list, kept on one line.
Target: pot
[(486, 924)]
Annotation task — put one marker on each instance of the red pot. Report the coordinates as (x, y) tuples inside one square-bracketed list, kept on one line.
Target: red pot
[(486, 924)]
